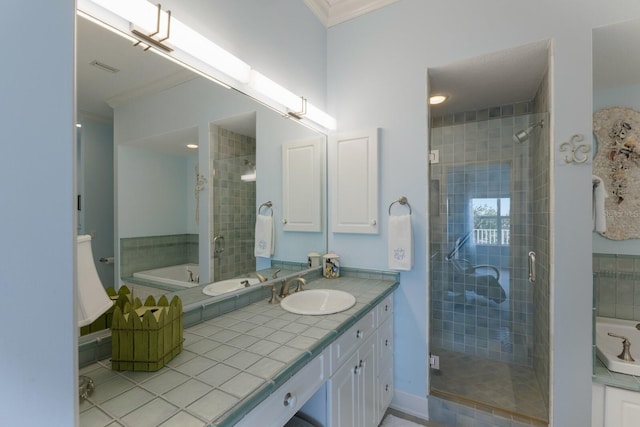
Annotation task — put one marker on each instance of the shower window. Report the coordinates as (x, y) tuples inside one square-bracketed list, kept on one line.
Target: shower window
[(491, 221)]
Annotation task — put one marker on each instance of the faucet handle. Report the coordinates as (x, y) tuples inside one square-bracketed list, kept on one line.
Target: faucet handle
[(301, 281), (274, 295), (275, 275)]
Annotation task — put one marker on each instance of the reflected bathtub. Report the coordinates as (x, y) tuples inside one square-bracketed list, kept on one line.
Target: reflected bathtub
[(184, 275), (608, 348)]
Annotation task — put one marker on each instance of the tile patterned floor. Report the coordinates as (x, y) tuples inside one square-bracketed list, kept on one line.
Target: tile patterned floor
[(513, 388)]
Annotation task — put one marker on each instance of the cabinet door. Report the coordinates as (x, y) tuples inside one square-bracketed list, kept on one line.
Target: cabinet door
[(354, 182), (344, 394), (622, 408), (368, 383), (302, 185)]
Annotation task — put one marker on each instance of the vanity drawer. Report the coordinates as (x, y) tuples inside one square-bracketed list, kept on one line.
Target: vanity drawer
[(283, 403), (349, 341), (385, 309)]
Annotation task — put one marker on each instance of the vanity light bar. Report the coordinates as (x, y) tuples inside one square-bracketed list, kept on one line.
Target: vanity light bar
[(181, 44)]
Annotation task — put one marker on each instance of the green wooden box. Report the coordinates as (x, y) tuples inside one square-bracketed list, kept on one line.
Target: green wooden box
[(146, 337)]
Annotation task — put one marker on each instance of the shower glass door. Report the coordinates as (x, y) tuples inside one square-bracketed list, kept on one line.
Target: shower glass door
[(487, 320)]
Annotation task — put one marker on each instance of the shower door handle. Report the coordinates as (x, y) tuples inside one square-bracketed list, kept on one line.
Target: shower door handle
[(532, 267), (218, 244)]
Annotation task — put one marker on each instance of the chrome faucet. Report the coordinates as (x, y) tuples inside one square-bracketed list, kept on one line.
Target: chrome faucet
[(284, 291), (626, 344)]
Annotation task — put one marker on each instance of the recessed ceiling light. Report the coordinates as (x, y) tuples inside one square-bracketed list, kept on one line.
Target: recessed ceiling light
[(437, 99), (194, 146)]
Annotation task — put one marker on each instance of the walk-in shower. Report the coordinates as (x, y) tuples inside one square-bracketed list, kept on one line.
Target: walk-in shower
[(488, 209)]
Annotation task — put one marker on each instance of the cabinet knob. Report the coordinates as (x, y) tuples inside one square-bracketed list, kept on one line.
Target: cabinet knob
[(386, 307), (289, 400), (386, 343), (359, 333), (373, 222), (284, 221), (386, 387)]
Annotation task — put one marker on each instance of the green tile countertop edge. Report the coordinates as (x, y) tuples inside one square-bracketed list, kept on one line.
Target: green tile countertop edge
[(369, 286), (602, 375)]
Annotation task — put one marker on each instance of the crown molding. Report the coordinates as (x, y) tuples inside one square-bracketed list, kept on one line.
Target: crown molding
[(333, 12)]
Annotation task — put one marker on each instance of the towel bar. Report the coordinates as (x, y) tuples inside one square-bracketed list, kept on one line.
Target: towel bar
[(267, 205), (403, 201)]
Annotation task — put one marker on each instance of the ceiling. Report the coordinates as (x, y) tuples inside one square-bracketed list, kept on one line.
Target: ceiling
[(489, 80)]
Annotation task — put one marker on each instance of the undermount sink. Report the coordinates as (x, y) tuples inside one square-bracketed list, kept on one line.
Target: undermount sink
[(224, 286), (318, 301), (608, 347)]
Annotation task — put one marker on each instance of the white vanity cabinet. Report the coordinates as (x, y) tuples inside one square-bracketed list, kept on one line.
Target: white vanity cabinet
[(621, 407), (361, 384)]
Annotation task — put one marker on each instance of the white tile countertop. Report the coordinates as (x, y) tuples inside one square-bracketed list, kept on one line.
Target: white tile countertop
[(229, 364)]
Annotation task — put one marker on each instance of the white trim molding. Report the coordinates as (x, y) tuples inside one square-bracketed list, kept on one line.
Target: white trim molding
[(333, 12), (411, 404)]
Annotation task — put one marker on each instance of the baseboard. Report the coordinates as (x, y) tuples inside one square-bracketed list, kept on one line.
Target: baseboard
[(411, 404)]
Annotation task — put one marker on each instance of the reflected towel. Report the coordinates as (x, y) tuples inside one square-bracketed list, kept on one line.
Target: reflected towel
[(265, 236), (598, 214), (400, 244)]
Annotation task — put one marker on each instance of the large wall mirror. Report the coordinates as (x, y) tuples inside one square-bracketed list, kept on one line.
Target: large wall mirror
[(174, 168), (616, 85)]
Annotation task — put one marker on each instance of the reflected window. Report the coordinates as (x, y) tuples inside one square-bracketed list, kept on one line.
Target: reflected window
[(491, 222)]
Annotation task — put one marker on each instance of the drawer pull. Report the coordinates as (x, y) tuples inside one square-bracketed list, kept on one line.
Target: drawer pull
[(289, 399), (386, 307), (386, 387), (358, 368), (386, 343), (359, 333)]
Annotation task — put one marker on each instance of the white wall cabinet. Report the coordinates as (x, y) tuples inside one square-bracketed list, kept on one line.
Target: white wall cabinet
[(354, 182), (302, 178)]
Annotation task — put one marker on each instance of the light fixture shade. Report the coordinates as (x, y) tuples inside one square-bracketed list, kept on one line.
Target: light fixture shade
[(92, 298)]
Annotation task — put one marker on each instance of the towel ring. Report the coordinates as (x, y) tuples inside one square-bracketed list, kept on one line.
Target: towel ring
[(267, 205), (403, 201)]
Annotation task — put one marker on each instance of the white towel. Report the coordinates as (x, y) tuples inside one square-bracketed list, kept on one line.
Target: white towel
[(400, 245), (598, 214), (265, 236)]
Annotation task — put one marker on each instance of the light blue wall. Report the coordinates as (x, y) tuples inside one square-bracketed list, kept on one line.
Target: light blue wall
[(155, 193), (37, 220), (97, 194), (377, 66), (622, 96)]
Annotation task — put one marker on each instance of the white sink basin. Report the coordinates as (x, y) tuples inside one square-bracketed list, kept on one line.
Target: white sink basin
[(318, 301), (608, 348), (224, 286)]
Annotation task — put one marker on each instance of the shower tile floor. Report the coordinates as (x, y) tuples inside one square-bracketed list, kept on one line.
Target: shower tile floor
[(498, 385)]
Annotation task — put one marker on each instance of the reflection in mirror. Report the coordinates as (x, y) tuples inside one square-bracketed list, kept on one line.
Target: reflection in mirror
[(179, 206), (616, 83)]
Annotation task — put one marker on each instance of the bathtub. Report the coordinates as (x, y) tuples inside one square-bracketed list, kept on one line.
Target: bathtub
[(177, 275), (608, 348)]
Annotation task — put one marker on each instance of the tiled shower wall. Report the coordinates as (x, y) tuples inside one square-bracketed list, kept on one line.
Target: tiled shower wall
[(146, 253), (234, 203), (482, 330), (617, 286)]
